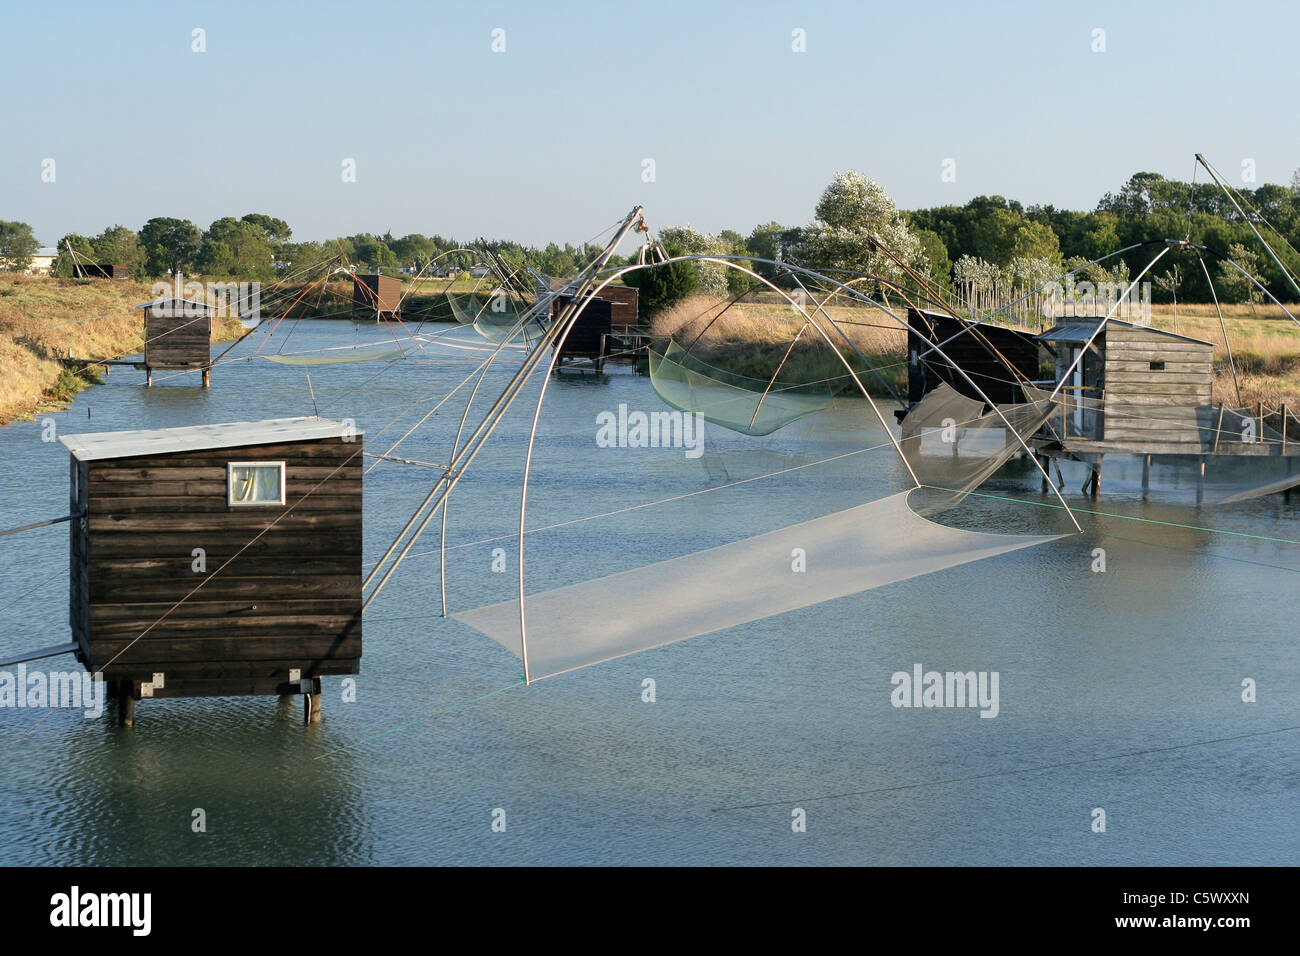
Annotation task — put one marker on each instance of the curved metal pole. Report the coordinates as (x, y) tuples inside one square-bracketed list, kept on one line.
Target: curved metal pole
[(618, 273), (582, 297)]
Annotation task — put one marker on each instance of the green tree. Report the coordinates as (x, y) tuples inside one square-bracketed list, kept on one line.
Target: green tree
[(853, 216), (1231, 284), (120, 246), (169, 245), (17, 245), (236, 249), (993, 235), (274, 230), (764, 242), (1035, 240), (65, 264), (938, 265), (662, 287)]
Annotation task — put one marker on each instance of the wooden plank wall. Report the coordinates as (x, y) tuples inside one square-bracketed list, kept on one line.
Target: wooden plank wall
[(291, 599), (1155, 405), (625, 308), (177, 341), (584, 338), (376, 293), (78, 551)]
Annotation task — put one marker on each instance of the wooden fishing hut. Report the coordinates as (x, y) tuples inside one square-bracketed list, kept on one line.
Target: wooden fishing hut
[(217, 560), (376, 297), (178, 336), (624, 314), (1144, 391), (588, 342), (104, 270)]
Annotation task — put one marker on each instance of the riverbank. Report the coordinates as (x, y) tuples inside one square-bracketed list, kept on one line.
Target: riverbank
[(42, 318)]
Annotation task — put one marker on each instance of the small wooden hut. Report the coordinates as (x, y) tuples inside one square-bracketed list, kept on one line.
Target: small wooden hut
[(102, 270), (624, 312), (376, 297), (588, 340), (217, 560), (1128, 373), (178, 335)]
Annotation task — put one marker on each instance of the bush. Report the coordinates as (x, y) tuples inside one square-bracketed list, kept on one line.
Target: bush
[(662, 287)]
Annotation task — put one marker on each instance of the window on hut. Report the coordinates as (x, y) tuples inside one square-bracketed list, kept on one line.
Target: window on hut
[(255, 483)]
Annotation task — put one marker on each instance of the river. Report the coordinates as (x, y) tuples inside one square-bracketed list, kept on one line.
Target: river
[(1119, 690)]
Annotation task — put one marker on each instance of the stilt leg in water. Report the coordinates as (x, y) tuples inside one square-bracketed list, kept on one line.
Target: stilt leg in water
[(125, 705)]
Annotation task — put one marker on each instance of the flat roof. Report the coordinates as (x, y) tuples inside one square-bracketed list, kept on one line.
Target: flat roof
[(1080, 330), (96, 446)]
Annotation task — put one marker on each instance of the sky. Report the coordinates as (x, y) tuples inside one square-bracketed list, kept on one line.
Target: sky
[(548, 139)]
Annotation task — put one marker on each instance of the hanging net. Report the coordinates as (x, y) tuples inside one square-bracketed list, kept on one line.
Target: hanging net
[(742, 404), (954, 443), (494, 317), (847, 552)]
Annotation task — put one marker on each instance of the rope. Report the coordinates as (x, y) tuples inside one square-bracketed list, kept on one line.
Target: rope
[(1109, 514)]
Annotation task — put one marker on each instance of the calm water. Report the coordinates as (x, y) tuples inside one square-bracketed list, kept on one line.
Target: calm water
[(1104, 678)]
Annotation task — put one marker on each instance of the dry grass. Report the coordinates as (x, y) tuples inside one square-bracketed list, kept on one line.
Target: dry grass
[(1265, 349), (751, 338), (42, 318)]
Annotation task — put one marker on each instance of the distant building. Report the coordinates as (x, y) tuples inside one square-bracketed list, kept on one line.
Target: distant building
[(43, 261), (41, 264)]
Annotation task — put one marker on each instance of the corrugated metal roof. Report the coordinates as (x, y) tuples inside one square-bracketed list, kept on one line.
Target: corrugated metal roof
[(166, 441), (1080, 330)]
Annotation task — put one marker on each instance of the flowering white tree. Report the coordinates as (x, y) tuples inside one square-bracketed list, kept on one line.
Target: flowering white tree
[(853, 213), (692, 242)]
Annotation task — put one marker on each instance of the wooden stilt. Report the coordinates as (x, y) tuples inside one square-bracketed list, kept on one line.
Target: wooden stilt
[(125, 705), (1046, 463), (311, 708), (207, 377), (1146, 474), (1200, 482), (148, 377), (1096, 478)]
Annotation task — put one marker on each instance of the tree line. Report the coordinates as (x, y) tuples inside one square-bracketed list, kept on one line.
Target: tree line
[(990, 242)]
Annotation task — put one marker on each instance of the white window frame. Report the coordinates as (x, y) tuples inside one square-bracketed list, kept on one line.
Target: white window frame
[(230, 472)]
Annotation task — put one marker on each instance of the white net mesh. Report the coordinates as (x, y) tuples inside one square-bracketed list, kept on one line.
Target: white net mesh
[(846, 552)]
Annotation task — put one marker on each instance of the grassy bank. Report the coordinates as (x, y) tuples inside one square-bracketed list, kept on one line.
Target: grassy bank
[(42, 318), (423, 301), (752, 338)]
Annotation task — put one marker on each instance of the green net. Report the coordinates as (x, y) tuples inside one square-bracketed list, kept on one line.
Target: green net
[(747, 405), (493, 317)]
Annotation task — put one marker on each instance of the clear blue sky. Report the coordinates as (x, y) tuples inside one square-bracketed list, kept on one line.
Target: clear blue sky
[(546, 140)]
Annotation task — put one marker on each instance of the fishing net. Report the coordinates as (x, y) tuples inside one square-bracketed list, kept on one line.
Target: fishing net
[(494, 317), (747, 405), (847, 552), (954, 444)]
